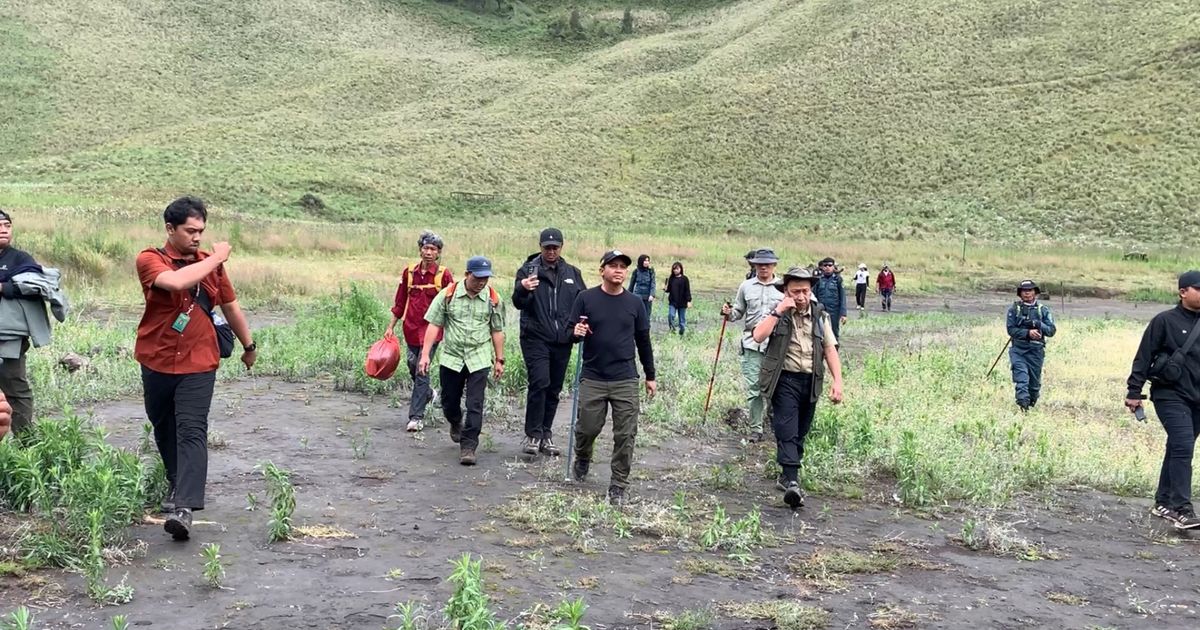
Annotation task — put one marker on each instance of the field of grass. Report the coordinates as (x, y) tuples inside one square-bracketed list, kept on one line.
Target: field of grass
[(1028, 122)]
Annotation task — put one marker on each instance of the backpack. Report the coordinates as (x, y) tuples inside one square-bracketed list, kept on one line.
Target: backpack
[(409, 274), (493, 297)]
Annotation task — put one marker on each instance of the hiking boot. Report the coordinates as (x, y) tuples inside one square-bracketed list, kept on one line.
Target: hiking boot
[(547, 446), (792, 496), (616, 495), (414, 425), (1186, 519), (580, 469), (467, 457), (1024, 405), (179, 524), (529, 446), (781, 483), (1165, 513), (455, 432), (755, 437), (168, 504)]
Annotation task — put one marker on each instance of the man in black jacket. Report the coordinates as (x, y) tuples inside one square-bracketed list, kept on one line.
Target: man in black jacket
[(14, 381), (545, 289), (1175, 390)]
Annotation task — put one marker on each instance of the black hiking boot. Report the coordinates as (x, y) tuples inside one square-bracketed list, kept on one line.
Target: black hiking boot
[(455, 432), (755, 437), (529, 446), (580, 469), (467, 457), (179, 524), (168, 503), (1186, 519), (781, 483), (792, 496), (616, 495), (547, 447)]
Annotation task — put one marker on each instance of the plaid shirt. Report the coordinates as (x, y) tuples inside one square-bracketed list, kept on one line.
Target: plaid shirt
[(468, 324)]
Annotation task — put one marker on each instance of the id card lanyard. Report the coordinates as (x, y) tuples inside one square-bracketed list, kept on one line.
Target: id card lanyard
[(181, 322)]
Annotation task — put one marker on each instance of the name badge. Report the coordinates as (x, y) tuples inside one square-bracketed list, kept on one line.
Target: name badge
[(181, 322)]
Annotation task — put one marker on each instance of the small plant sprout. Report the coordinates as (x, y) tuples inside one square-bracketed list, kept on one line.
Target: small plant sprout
[(120, 622), (569, 614), (19, 619), (214, 571), (360, 443), (283, 501)]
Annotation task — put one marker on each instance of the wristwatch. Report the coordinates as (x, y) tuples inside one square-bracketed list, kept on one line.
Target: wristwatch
[(500, 360), (253, 347)]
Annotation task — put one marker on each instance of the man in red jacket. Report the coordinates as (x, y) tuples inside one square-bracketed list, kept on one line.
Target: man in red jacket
[(419, 283), (886, 285)]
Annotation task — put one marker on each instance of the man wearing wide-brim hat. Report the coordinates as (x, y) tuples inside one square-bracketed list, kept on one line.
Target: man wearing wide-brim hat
[(801, 345), (755, 299), (1029, 323)]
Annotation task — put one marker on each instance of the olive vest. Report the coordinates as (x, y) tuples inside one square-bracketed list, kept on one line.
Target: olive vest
[(776, 354)]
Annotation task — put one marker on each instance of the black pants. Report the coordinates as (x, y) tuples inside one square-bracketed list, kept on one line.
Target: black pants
[(177, 405), (860, 295), (791, 418), (474, 384), (14, 382), (1182, 423), (546, 366)]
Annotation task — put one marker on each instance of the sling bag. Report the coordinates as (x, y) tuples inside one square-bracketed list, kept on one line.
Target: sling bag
[(1167, 368)]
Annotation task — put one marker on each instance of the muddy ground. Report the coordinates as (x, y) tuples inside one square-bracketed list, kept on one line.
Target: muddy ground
[(411, 509)]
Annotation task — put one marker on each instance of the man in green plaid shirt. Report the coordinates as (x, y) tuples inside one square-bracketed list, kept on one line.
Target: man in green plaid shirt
[(472, 317)]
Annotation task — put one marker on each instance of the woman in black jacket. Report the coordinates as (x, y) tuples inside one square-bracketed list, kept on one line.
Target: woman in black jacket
[(679, 297)]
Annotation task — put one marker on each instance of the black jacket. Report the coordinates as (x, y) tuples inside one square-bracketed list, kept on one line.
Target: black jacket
[(1166, 333), (544, 311), (679, 291)]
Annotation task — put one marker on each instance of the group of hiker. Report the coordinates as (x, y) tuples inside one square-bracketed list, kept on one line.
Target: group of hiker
[(788, 347)]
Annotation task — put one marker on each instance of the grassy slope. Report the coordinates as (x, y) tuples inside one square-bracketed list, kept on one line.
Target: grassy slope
[(1057, 120)]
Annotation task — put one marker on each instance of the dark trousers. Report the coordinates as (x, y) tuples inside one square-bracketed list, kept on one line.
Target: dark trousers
[(546, 366), (1026, 360), (792, 416), (595, 398), (14, 382), (1182, 423), (422, 393), (177, 405), (860, 295), (454, 383), (886, 296)]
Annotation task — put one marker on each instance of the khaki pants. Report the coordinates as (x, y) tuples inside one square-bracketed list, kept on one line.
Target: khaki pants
[(595, 398), (751, 369)]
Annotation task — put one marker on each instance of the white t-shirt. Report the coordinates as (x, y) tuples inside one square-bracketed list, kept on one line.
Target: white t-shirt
[(862, 277)]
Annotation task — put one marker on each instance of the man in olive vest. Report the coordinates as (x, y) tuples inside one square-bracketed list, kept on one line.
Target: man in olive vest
[(801, 345)]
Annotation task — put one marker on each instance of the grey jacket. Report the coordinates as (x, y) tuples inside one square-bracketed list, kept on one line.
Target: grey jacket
[(24, 318)]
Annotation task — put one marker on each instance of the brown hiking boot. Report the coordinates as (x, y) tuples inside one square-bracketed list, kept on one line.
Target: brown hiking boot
[(467, 457), (455, 432)]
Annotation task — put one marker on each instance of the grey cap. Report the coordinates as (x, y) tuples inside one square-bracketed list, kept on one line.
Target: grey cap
[(479, 267), (764, 256), (798, 273)]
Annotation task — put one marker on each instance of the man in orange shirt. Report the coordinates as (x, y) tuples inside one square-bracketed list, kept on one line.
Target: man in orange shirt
[(419, 283), (177, 348)]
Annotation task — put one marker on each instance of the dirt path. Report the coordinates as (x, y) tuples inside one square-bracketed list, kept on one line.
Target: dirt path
[(412, 508)]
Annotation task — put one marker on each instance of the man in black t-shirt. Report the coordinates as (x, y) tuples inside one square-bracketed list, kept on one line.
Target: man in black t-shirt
[(616, 325), (14, 381)]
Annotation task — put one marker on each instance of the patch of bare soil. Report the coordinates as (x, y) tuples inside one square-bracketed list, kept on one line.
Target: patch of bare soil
[(405, 510)]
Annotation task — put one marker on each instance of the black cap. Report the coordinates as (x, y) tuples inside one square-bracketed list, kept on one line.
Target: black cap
[(4, 216), (764, 256), (615, 254), (551, 236), (1027, 285), (826, 261), (1189, 279)]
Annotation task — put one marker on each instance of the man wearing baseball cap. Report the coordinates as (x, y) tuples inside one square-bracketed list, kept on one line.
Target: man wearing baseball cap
[(1169, 357), (755, 299), (544, 290), (830, 292), (1029, 324), (802, 344), (612, 323), (471, 317)]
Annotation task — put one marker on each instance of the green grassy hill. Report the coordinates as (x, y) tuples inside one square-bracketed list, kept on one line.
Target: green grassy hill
[(1073, 121)]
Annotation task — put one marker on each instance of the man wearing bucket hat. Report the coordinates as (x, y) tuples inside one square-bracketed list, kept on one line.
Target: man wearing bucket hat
[(1029, 323), (802, 344), (471, 316), (755, 299), (1169, 357)]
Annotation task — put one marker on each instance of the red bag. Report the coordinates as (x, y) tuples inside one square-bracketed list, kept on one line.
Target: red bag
[(383, 358)]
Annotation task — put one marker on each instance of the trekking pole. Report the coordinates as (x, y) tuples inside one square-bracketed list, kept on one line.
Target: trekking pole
[(720, 342), (994, 363), (575, 402)]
